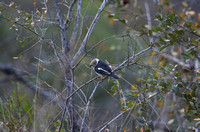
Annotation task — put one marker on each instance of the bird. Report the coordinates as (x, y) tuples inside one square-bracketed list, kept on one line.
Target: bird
[(102, 68)]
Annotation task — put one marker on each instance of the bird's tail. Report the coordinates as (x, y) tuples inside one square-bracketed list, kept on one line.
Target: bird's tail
[(114, 76)]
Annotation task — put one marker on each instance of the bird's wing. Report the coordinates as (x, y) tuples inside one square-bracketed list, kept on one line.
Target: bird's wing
[(103, 71), (105, 66)]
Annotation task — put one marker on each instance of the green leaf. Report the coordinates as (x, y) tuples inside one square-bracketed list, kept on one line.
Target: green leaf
[(111, 15), (130, 104), (13, 92), (22, 45), (175, 89), (159, 17), (176, 19), (157, 44), (159, 8), (168, 22), (117, 16), (114, 88), (185, 56), (27, 107), (150, 32), (162, 41), (162, 48), (142, 109), (123, 21), (140, 119)]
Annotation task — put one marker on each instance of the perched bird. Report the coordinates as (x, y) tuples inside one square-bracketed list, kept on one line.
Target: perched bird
[(102, 68)]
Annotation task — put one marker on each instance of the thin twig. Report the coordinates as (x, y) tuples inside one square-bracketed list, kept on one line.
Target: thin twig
[(70, 12), (88, 103), (52, 44), (132, 57), (73, 37), (176, 60), (178, 114), (83, 44), (97, 44), (10, 71), (184, 28), (116, 117), (158, 115), (79, 88), (69, 97), (29, 29), (148, 19), (65, 47)]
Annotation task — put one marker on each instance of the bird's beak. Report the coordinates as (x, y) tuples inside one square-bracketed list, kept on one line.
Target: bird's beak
[(90, 65)]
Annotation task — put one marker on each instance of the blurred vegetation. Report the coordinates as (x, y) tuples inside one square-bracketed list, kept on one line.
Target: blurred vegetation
[(157, 90)]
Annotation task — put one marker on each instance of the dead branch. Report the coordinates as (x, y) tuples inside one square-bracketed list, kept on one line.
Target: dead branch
[(73, 37), (83, 44), (88, 103), (65, 47), (17, 75)]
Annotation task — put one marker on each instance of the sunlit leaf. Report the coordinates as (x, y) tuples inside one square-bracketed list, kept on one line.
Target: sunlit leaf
[(153, 53), (11, 3), (123, 21), (191, 13), (18, 11), (160, 63), (184, 4), (150, 61), (138, 79), (196, 25), (111, 21), (38, 12), (160, 103), (162, 48), (135, 4), (182, 15), (122, 100), (135, 94), (133, 86)]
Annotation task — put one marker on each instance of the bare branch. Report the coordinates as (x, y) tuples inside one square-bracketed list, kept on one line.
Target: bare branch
[(178, 114), (196, 126), (69, 97), (10, 71), (73, 37), (52, 44), (83, 44), (174, 59), (79, 88), (132, 57), (69, 12), (190, 31), (65, 47), (88, 103), (116, 117), (97, 44), (15, 22), (148, 19)]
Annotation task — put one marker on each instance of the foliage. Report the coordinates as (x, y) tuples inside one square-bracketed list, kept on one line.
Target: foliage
[(16, 113), (157, 59)]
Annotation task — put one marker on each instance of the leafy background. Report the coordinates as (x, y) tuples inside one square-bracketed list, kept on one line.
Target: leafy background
[(159, 91)]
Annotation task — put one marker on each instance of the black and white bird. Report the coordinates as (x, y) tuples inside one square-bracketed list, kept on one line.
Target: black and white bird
[(102, 68)]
